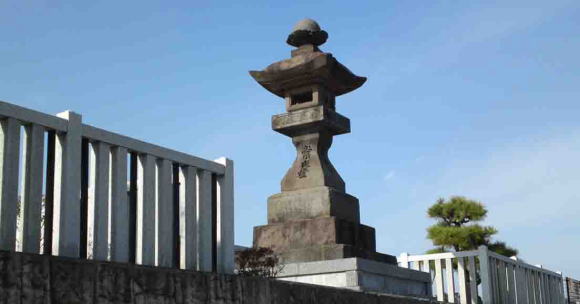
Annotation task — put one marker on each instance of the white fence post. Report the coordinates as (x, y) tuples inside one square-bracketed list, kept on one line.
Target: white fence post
[(204, 220), (484, 274), (462, 281), (145, 251), (67, 185), (9, 159), (32, 178), (439, 281), (165, 235), (403, 260), (225, 217), (450, 281), (119, 206), (99, 199), (188, 214)]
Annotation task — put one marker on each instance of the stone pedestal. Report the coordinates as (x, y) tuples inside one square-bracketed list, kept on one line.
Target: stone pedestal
[(360, 274)]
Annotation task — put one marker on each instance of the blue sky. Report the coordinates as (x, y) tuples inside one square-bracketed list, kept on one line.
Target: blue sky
[(474, 98)]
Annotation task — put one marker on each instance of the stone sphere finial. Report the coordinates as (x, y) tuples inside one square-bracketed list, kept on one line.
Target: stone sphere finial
[(307, 31)]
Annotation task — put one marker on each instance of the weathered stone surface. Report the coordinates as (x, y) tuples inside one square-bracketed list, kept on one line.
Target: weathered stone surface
[(113, 283), (573, 288), (307, 31), (313, 118), (35, 279), (72, 281), (64, 280), (10, 278), (306, 69), (153, 286), (312, 168), (312, 203), (322, 238)]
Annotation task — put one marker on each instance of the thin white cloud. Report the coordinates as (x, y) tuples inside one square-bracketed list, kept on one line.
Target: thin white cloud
[(389, 175)]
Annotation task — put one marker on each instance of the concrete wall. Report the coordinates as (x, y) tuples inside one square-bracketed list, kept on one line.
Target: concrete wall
[(573, 287), (30, 278)]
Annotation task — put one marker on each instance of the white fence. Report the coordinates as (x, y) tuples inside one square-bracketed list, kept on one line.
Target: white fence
[(503, 280), (89, 193)]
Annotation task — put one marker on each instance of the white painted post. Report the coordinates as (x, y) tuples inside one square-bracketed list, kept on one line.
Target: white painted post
[(9, 159), (510, 283), (119, 206), (427, 266), (561, 282), (416, 266), (225, 217), (32, 177), (551, 294), (165, 250), (472, 279), (450, 281), (403, 260), (560, 287), (99, 199), (462, 281), (502, 279), (145, 253), (188, 216), (439, 281), (537, 287), (530, 284), (67, 188), (544, 289), (484, 274), (521, 284), (204, 220)]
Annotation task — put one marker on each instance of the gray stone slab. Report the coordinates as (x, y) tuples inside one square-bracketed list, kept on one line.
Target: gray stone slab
[(312, 203)]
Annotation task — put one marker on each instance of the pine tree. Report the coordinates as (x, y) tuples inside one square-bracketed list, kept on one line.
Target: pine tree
[(457, 227)]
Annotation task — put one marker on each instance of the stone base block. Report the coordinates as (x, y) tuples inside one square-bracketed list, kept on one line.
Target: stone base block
[(312, 203), (319, 239), (360, 274)]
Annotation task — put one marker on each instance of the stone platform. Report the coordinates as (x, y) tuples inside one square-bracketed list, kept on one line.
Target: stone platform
[(360, 274)]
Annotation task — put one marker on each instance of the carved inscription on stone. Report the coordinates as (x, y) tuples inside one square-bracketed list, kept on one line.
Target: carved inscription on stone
[(305, 164)]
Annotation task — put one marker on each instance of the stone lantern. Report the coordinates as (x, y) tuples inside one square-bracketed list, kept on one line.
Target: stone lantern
[(313, 219)]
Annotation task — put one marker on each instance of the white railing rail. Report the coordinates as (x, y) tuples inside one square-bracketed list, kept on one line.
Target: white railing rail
[(502, 280), (106, 196)]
